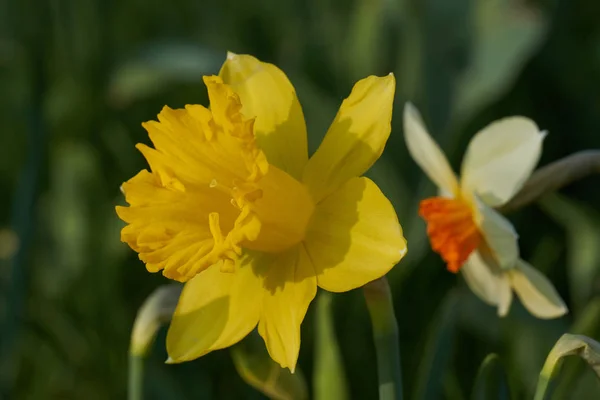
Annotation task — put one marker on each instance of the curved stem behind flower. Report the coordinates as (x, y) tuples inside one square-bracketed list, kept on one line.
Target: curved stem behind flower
[(135, 380), (157, 309), (385, 332), (555, 176)]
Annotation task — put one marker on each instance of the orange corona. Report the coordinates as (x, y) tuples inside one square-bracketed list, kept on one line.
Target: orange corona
[(451, 229)]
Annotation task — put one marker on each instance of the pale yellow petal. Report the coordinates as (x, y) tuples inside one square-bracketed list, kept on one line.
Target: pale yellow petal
[(500, 158), (536, 292), (481, 279), (505, 295), (355, 139), (490, 283), (426, 153), (289, 287), (499, 234), (216, 310), (355, 237), (267, 94)]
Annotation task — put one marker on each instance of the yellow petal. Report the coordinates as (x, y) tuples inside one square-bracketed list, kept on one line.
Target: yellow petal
[(267, 94), (499, 234), (355, 139), (426, 153), (216, 310), (536, 292), (290, 285), (355, 237), (501, 157)]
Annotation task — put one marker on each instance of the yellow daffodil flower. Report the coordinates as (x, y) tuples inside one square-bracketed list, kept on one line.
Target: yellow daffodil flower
[(234, 207), (463, 226)]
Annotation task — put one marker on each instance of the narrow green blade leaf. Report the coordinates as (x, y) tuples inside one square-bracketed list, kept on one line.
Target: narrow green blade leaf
[(329, 380), (568, 345), (438, 351), (587, 323), (506, 36), (378, 297), (158, 65), (490, 383)]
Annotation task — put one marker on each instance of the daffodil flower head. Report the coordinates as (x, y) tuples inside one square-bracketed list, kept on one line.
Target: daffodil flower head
[(234, 207), (462, 224)]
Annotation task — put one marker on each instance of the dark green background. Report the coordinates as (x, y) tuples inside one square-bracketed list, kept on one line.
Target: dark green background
[(77, 78)]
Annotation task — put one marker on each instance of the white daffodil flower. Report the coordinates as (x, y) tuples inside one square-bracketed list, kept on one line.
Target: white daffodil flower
[(463, 226)]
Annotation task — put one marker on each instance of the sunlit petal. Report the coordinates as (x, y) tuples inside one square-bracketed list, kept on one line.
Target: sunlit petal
[(426, 153), (536, 292), (505, 295), (355, 237), (500, 158), (267, 94), (355, 139), (289, 287), (481, 279), (216, 309)]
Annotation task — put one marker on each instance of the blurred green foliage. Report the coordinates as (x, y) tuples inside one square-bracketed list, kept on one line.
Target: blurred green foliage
[(78, 77)]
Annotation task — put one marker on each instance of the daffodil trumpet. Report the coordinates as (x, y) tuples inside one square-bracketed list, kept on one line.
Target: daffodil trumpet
[(234, 207), (462, 223)]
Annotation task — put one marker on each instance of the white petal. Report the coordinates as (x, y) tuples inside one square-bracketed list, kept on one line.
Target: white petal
[(481, 279), (500, 158), (499, 235), (504, 295), (426, 153), (536, 292)]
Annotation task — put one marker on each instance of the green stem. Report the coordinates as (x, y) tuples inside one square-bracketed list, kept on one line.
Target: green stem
[(136, 377), (385, 333), (542, 386), (550, 368)]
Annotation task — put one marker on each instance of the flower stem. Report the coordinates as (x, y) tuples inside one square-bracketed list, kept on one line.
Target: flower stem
[(136, 377), (385, 333), (554, 176), (157, 309)]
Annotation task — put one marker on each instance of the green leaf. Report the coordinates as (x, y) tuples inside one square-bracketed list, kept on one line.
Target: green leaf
[(506, 35), (490, 383), (438, 351), (254, 365), (587, 323), (370, 23), (159, 65), (329, 379), (568, 345)]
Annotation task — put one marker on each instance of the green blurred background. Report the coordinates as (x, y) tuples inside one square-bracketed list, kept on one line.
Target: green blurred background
[(77, 78)]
